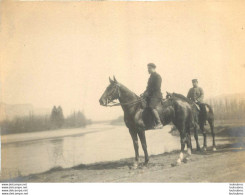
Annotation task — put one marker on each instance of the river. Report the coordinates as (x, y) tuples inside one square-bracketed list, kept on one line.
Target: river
[(27, 153)]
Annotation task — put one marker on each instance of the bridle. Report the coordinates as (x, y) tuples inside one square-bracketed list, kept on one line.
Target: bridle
[(117, 88)]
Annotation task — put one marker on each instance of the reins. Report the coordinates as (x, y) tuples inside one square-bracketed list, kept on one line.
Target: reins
[(140, 99), (126, 104)]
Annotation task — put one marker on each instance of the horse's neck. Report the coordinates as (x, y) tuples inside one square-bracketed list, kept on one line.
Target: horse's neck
[(183, 98), (126, 96)]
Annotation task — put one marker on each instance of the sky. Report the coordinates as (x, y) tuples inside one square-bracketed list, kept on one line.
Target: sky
[(62, 53)]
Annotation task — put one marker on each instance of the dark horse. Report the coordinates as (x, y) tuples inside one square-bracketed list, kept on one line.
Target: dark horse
[(199, 120), (173, 110)]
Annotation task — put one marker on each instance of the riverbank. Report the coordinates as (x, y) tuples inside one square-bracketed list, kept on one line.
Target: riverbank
[(224, 165)]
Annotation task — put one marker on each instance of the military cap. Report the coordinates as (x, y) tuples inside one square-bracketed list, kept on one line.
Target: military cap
[(151, 65), (194, 80)]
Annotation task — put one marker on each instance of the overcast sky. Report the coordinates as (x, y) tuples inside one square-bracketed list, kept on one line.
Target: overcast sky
[(63, 53)]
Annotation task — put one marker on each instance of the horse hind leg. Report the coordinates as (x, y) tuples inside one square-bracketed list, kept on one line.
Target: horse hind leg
[(198, 148), (189, 145), (182, 142), (211, 124), (188, 139), (144, 145), (204, 136)]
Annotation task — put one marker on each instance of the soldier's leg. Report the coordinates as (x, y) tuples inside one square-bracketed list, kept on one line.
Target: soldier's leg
[(157, 117), (153, 104), (203, 111)]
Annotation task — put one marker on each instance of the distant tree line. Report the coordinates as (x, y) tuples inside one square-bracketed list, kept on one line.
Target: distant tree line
[(118, 121), (228, 109), (55, 120)]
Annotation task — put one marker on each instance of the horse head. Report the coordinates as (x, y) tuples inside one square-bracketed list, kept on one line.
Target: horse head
[(111, 93)]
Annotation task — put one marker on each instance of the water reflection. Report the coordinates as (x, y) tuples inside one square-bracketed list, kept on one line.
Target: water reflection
[(34, 153), (56, 152)]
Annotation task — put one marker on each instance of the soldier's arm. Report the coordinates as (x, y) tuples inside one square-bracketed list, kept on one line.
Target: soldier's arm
[(147, 91), (200, 98), (189, 94), (157, 82)]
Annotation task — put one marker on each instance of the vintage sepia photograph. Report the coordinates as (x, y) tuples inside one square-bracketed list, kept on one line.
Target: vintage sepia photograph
[(128, 92)]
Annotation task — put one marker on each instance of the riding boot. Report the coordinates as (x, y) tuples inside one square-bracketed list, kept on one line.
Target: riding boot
[(158, 121), (204, 112)]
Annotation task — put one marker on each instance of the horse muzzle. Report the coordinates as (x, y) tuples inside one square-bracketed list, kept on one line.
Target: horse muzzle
[(103, 102)]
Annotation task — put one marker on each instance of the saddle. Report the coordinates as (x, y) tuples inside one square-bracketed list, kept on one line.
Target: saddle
[(202, 112), (197, 106)]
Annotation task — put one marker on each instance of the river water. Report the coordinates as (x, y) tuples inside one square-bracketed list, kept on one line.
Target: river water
[(27, 153)]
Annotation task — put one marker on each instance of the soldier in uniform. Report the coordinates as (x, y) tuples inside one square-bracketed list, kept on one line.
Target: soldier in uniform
[(153, 94), (196, 94)]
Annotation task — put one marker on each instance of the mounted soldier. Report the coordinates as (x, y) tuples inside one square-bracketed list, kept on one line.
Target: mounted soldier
[(153, 94), (196, 94)]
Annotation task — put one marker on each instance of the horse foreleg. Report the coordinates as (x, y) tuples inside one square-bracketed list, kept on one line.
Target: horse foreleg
[(136, 146), (211, 124), (144, 145), (189, 145), (182, 142)]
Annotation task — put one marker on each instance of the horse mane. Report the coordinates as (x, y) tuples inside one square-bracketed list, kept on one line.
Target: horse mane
[(182, 97), (140, 104), (128, 90)]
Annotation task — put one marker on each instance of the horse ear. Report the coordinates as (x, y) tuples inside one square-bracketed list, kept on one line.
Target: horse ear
[(167, 93), (111, 81), (115, 79)]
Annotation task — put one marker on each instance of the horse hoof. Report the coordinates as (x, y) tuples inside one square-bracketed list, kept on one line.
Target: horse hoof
[(181, 156), (185, 160), (135, 166), (146, 161), (145, 164), (198, 149), (178, 161), (214, 149), (175, 164)]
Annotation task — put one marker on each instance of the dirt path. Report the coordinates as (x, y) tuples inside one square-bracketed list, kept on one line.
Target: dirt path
[(224, 165)]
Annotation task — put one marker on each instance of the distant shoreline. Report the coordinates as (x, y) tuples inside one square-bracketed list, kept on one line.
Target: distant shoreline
[(5, 140), (118, 123)]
